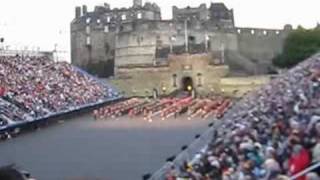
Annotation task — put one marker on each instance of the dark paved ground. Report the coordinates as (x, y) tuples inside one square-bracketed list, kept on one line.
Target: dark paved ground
[(121, 149)]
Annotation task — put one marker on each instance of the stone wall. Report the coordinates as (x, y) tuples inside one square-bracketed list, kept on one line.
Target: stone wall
[(261, 45)]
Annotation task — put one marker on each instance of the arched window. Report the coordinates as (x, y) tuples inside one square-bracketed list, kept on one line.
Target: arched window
[(265, 32), (88, 41), (106, 29), (123, 17), (88, 29), (139, 15), (88, 20)]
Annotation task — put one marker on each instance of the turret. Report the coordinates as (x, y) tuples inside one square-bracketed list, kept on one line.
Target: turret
[(137, 3), (78, 12), (84, 10)]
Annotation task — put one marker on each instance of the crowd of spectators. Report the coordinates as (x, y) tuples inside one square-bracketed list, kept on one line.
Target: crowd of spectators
[(35, 87), (272, 133)]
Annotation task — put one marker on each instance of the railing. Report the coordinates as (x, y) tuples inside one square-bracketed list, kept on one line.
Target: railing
[(304, 172), (187, 155)]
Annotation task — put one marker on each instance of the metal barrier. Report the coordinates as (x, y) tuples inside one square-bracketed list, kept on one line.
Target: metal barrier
[(304, 172), (187, 155)]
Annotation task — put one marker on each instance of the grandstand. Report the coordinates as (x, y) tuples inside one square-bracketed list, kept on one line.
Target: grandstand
[(271, 133), (34, 88)]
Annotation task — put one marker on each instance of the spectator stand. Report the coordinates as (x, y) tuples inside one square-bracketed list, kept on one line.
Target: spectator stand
[(110, 95), (287, 103)]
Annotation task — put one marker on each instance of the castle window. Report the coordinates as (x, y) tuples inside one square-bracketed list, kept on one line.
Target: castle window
[(172, 38), (252, 31), (88, 40), (98, 21), (88, 20), (174, 78), (192, 39), (139, 16), (106, 29), (123, 17), (121, 28), (108, 18), (88, 29)]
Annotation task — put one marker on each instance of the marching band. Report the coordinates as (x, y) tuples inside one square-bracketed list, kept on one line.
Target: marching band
[(165, 108)]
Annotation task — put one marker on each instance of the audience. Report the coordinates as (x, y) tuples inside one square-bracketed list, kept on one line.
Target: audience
[(271, 133), (35, 87)]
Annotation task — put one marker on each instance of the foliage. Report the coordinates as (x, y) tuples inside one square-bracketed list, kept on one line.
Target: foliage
[(299, 45)]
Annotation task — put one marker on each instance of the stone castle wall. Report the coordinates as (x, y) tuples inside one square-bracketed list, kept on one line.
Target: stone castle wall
[(169, 76), (134, 36)]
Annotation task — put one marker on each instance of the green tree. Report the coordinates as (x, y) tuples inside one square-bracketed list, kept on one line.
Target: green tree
[(299, 45)]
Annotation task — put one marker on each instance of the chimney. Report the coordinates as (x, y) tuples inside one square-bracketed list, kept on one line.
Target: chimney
[(78, 12), (107, 6), (137, 3), (84, 9)]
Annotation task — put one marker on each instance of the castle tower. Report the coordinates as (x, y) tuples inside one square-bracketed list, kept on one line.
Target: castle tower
[(78, 11), (137, 3)]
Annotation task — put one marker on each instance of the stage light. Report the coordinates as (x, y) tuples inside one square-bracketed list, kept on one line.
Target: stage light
[(189, 88)]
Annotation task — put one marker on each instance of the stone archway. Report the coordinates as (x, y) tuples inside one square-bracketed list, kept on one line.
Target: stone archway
[(186, 83)]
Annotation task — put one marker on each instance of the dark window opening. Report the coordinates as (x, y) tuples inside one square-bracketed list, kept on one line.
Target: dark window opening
[(174, 80), (186, 84), (192, 39)]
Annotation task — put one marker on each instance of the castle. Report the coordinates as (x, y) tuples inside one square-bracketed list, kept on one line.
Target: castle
[(126, 41)]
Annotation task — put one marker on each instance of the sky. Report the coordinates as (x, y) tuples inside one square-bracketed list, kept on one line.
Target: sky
[(44, 23)]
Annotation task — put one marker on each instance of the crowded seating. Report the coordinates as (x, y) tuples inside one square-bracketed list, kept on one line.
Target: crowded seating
[(35, 87), (271, 133)]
